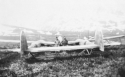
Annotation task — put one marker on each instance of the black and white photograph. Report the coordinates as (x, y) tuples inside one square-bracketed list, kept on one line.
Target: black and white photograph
[(62, 38)]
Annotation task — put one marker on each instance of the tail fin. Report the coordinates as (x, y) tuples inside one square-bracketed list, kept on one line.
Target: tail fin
[(23, 43), (99, 39)]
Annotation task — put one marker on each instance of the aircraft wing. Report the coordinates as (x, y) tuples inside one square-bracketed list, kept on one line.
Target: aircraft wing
[(112, 37), (18, 41), (42, 49), (47, 49), (14, 41), (91, 46)]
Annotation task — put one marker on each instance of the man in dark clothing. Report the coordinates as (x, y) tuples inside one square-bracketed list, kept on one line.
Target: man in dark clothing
[(61, 41)]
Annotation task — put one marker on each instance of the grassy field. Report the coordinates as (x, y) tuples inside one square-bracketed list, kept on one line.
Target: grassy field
[(109, 64)]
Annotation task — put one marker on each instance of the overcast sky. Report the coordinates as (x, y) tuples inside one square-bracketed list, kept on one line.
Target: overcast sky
[(38, 14)]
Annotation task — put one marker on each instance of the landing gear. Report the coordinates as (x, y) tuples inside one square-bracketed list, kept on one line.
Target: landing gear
[(86, 52)]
